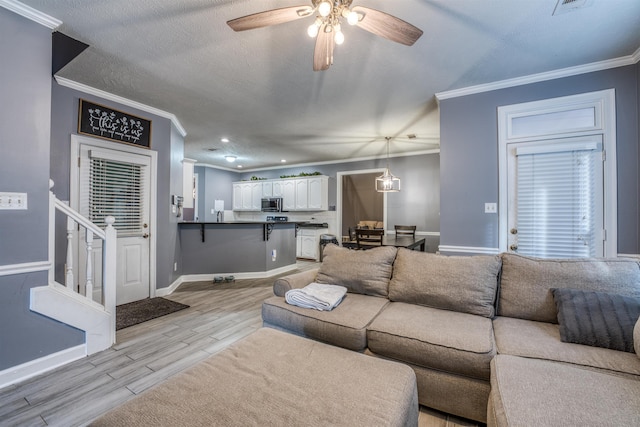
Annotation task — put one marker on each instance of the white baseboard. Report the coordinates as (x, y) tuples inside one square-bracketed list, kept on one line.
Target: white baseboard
[(209, 278), (468, 250), (39, 366)]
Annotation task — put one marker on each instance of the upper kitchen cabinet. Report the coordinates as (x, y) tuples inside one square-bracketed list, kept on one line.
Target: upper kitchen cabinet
[(298, 194), (247, 196)]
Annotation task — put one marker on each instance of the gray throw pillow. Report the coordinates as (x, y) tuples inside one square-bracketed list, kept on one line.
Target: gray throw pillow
[(361, 272), (597, 319), (466, 284)]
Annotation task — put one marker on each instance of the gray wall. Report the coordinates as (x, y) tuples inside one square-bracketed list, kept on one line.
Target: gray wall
[(469, 155), (213, 184), (25, 91), (166, 141)]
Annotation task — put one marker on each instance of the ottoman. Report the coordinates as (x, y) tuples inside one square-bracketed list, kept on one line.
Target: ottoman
[(274, 378)]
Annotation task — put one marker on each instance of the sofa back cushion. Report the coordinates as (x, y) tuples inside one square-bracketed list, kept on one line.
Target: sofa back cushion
[(466, 284), (526, 282), (361, 272)]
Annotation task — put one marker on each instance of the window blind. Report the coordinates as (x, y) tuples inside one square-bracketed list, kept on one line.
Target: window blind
[(116, 189), (558, 200)]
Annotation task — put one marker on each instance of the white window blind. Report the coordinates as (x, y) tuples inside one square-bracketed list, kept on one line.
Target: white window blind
[(559, 201), (116, 189)]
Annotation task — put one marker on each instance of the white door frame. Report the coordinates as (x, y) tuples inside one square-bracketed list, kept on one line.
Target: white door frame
[(74, 189), (339, 176), (603, 106)]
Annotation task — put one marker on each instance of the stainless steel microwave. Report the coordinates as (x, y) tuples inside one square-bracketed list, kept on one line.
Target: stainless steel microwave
[(272, 204)]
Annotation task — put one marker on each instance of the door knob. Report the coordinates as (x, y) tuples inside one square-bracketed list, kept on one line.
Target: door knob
[(513, 231), (145, 235), (513, 247)]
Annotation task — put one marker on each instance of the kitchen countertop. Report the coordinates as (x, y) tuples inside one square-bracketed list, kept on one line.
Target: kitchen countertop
[(236, 222)]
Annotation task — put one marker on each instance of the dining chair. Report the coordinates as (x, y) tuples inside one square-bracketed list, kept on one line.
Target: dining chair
[(406, 230), (366, 239)]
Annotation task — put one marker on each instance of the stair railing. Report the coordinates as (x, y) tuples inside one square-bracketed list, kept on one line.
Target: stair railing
[(108, 235)]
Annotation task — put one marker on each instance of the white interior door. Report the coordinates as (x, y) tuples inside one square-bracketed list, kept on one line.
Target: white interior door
[(556, 198), (118, 184)]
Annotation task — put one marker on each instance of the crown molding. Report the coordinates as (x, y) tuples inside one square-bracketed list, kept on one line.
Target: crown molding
[(119, 99), (541, 77), (31, 13)]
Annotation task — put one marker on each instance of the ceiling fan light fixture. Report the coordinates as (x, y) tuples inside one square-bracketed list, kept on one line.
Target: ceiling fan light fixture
[(324, 8), (352, 17), (339, 36), (312, 31), (230, 159)]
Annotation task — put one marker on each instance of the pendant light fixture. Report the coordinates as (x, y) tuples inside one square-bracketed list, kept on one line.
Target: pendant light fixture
[(387, 183)]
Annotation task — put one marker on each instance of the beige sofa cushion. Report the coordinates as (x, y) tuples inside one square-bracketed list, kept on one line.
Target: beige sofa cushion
[(526, 282), (529, 392), (344, 326), (460, 283), (540, 340), (448, 341), (361, 272)]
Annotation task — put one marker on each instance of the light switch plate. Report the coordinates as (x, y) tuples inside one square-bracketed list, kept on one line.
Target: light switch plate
[(490, 207), (13, 201)]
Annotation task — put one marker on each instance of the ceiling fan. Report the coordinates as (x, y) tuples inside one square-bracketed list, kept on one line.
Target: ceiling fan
[(327, 27)]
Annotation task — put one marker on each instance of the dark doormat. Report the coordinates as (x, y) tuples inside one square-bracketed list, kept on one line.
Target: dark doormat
[(140, 311)]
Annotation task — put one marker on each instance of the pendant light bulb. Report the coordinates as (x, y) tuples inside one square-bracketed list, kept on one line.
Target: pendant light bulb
[(312, 31), (339, 36)]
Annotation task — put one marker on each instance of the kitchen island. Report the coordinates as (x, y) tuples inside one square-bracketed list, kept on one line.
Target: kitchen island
[(245, 249)]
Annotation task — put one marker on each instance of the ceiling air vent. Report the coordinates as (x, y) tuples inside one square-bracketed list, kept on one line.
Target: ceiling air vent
[(565, 6)]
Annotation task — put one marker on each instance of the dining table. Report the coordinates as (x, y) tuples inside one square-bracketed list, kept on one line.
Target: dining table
[(408, 242)]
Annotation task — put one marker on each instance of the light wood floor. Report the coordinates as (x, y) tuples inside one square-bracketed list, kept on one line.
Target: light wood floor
[(147, 354)]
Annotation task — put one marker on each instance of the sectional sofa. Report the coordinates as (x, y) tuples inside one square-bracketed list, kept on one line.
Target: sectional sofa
[(482, 333)]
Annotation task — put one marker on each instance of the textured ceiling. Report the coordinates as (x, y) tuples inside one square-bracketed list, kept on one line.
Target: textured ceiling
[(257, 87)]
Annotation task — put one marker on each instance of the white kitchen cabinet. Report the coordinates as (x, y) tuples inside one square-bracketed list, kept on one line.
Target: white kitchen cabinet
[(308, 242), (318, 193), (299, 194), (247, 196), (237, 197), (288, 195), (267, 189), (277, 188), (302, 194)]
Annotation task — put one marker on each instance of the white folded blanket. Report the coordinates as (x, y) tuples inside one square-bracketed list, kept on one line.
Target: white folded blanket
[(317, 296)]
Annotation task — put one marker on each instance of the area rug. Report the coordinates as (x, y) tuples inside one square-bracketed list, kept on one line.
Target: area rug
[(137, 312)]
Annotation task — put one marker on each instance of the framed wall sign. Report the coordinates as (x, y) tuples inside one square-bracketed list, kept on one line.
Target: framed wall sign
[(104, 122)]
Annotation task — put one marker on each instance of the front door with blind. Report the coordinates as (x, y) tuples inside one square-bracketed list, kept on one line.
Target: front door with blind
[(557, 176), (556, 198), (117, 183)]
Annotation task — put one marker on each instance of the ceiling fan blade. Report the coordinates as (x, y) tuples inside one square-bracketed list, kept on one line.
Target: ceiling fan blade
[(270, 17), (387, 26), (323, 53)]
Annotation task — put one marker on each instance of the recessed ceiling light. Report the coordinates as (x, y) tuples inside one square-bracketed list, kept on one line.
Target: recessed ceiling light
[(225, 140), (239, 166), (230, 159), (283, 161)]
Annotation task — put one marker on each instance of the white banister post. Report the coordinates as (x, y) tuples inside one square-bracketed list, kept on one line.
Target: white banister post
[(52, 233), (109, 260), (68, 269), (88, 289)]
